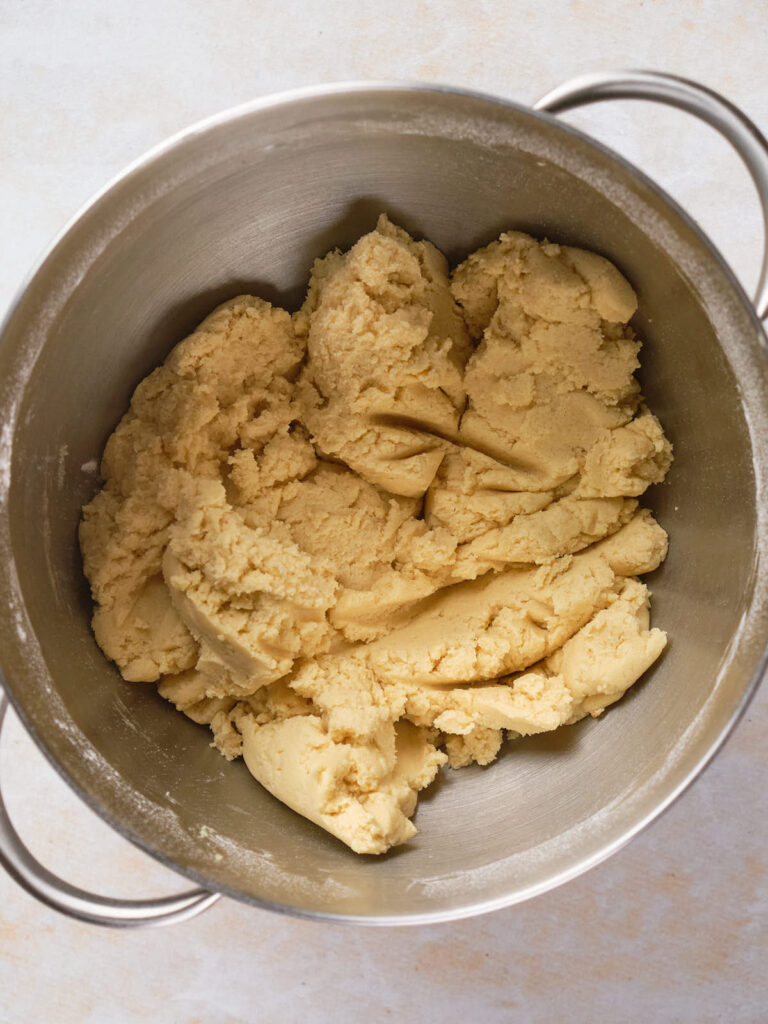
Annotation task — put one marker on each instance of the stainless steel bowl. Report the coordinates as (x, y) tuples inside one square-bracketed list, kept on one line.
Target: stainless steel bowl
[(243, 203)]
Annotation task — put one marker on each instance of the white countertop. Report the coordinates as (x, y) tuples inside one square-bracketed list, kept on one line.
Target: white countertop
[(672, 929)]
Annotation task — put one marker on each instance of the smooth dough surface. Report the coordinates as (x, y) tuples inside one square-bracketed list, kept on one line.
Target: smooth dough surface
[(387, 532)]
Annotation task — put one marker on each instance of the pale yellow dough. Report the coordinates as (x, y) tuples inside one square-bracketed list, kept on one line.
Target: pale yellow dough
[(382, 534)]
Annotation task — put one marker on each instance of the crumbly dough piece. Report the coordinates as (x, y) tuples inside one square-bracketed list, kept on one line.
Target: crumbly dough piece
[(384, 534), (503, 622), (553, 373), (187, 414), (362, 793), (384, 339), (249, 596)]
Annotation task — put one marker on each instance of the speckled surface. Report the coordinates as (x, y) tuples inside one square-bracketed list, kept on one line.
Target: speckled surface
[(672, 929)]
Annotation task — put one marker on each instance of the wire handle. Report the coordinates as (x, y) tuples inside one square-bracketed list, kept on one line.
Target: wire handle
[(86, 906), (732, 123)]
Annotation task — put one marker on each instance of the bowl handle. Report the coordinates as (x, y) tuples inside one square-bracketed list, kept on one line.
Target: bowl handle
[(709, 106), (86, 906)]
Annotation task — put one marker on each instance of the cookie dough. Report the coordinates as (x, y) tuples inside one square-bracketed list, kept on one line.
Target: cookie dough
[(387, 532)]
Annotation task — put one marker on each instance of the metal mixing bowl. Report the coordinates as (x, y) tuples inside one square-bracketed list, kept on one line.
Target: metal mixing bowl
[(244, 203)]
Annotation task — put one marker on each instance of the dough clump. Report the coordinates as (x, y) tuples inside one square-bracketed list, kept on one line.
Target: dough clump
[(382, 534)]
